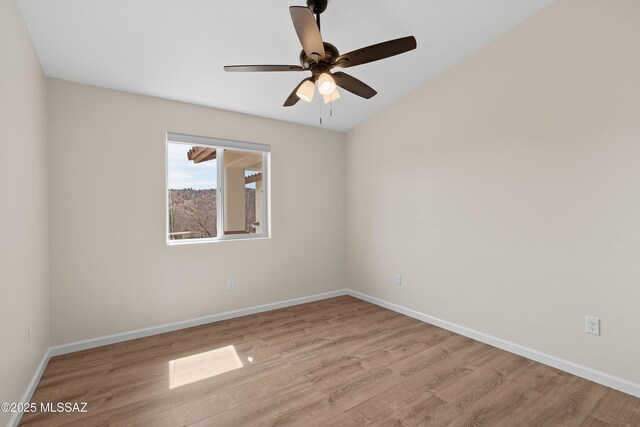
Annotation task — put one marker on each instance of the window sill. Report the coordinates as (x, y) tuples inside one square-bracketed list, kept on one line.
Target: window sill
[(229, 238)]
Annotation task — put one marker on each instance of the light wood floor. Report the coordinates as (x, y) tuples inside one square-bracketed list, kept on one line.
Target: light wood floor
[(336, 362)]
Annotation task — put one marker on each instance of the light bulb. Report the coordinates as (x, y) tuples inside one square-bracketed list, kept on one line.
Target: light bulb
[(333, 97), (326, 84), (306, 91)]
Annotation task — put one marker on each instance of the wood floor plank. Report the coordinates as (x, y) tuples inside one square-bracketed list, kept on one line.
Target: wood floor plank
[(400, 405), (335, 362), (500, 406), (617, 407), (592, 421), (568, 404)]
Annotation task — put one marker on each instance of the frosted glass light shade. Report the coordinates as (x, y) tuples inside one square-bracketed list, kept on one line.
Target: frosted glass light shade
[(333, 97), (326, 84), (306, 91)]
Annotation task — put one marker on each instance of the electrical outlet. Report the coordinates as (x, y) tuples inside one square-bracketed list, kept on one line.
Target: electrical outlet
[(592, 325), (29, 335), (231, 284), (397, 279)]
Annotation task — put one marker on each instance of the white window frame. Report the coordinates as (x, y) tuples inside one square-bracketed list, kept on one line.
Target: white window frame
[(220, 145)]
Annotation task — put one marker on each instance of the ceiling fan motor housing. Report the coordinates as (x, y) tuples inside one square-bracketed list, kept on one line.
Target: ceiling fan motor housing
[(330, 55), (317, 6)]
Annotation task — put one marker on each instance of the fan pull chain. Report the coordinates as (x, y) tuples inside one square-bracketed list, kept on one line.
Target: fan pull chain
[(320, 112)]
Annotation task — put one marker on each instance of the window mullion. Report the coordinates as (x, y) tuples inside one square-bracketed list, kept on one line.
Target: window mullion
[(220, 194), (265, 195)]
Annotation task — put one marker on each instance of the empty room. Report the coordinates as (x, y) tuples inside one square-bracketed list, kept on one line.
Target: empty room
[(320, 213)]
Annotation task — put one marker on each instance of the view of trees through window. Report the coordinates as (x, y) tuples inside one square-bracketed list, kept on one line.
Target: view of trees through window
[(193, 191)]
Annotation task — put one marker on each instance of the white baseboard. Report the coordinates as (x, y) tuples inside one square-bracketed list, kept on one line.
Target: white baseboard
[(564, 365), (170, 327), (28, 393)]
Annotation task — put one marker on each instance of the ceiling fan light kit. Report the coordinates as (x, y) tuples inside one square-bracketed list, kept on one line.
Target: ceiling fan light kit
[(306, 91), (320, 57), (326, 84), (333, 97)]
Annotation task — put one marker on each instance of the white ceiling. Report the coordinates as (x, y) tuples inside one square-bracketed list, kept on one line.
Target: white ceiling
[(176, 49)]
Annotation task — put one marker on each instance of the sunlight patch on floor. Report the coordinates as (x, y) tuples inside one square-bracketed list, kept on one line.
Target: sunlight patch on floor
[(201, 366)]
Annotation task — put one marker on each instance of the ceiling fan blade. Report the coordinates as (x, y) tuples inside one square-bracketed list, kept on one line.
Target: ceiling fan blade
[(376, 52), (263, 68), (308, 31), (293, 98), (354, 85)]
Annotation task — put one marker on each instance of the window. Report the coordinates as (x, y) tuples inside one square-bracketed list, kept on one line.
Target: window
[(216, 189)]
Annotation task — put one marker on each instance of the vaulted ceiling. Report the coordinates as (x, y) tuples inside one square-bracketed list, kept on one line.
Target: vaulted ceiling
[(176, 49)]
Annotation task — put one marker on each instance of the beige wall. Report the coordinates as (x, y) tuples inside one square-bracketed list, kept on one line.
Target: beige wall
[(111, 270), (507, 190), (24, 275)]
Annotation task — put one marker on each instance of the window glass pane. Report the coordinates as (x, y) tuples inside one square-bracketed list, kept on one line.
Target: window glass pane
[(192, 182), (243, 192)]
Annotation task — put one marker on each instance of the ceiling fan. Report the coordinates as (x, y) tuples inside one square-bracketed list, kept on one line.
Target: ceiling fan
[(321, 57)]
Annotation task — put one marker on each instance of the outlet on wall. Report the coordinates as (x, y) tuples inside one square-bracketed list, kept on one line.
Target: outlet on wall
[(592, 325), (231, 284), (397, 279)]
